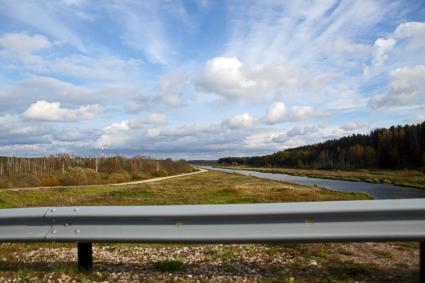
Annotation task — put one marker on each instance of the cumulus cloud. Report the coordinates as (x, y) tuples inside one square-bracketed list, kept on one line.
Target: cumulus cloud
[(382, 47), (279, 113), (229, 77), (48, 89), (115, 135), (53, 112), (243, 120), (415, 31), (407, 87), (411, 32)]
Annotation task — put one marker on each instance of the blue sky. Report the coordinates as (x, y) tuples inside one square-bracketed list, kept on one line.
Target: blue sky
[(204, 79)]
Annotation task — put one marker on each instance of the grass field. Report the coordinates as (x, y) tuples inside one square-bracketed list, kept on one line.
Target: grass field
[(205, 188), (365, 262), (405, 178)]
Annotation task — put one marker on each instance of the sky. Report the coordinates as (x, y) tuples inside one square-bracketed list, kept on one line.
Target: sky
[(204, 79)]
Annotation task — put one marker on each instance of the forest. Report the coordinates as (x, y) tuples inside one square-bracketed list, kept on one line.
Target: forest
[(65, 170), (397, 147)]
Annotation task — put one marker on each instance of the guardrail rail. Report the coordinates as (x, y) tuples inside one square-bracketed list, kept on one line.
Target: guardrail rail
[(303, 222)]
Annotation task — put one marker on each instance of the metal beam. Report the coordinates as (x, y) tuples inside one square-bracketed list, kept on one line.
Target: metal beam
[(340, 221)]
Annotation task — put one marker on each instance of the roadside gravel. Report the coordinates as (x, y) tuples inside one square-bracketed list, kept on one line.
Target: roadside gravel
[(365, 262)]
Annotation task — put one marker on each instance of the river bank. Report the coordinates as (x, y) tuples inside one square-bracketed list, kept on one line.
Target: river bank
[(404, 178)]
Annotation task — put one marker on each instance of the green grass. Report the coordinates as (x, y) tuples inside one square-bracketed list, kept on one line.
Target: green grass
[(206, 188), (405, 178)]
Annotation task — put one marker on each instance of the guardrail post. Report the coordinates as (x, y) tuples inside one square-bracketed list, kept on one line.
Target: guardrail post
[(422, 262), (85, 257)]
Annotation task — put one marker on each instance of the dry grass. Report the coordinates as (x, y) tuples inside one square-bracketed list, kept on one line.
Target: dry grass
[(205, 188)]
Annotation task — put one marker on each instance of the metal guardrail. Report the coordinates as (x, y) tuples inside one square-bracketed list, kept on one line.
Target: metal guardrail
[(339, 221)]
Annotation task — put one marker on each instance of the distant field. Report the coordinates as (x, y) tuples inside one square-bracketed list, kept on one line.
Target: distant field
[(405, 178), (365, 262), (204, 188)]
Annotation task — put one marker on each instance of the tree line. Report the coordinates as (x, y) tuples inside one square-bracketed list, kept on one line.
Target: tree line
[(74, 170), (396, 147)]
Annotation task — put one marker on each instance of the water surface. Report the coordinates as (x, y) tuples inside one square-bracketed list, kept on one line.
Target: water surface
[(378, 191)]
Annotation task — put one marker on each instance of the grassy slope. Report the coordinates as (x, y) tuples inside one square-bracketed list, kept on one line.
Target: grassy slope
[(210, 187), (405, 178)]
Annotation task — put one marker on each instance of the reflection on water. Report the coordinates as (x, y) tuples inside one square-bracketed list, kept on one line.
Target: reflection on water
[(378, 191)]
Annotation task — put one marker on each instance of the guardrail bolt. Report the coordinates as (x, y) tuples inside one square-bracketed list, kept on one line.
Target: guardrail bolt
[(85, 257)]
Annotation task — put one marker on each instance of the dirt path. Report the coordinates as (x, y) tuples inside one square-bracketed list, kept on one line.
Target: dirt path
[(118, 184)]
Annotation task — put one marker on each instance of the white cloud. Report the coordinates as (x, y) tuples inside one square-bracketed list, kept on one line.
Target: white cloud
[(16, 132), (47, 17), (110, 68), (343, 46), (228, 77), (351, 126), (22, 48), (170, 93), (25, 50), (407, 87), (24, 42), (145, 26), (299, 136), (50, 89), (53, 112), (275, 112), (279, 113), (115, 135), (412, 32), (244, 120), (382, 47), (154, 119), (415, 31)]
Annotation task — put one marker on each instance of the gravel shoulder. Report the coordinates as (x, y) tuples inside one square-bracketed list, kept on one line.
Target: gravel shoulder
[(356, 262)]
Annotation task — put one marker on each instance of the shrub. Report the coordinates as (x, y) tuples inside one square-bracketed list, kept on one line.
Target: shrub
[(92, 176), (140, 176), (119, 177), (74, 176), (50, 181), (160, 173), (23, 180), (3, 183)]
